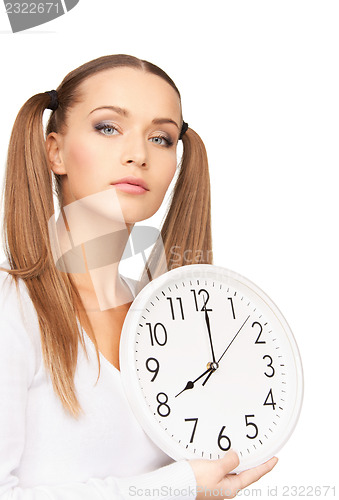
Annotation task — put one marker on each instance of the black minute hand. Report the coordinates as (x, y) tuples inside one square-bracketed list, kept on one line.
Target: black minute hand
[(229, 345)]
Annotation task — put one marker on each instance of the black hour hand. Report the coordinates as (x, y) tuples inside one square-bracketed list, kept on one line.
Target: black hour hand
[(190, 383), (209, 334)]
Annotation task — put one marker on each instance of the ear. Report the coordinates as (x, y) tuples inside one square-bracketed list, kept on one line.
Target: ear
[(54, 153)]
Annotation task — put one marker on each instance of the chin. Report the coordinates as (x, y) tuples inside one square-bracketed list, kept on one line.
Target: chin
[(133, 219), (135, 209), (133, 216)]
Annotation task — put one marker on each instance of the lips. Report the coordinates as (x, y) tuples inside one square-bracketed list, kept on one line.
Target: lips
[(135, 181)]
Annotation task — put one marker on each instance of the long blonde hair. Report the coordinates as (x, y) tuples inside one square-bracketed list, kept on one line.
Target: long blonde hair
[(28, 206)]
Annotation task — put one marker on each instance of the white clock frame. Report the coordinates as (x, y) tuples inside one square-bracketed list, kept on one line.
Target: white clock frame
[(129, 373)]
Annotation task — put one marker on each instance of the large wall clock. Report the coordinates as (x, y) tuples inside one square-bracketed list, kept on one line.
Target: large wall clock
[(209, 363)]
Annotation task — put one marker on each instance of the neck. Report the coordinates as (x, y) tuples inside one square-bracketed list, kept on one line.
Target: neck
[(89, 244)]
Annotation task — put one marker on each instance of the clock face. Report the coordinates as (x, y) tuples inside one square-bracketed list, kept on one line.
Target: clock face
[(209, 363)]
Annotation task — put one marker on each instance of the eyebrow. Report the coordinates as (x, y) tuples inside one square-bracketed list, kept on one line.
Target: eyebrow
[(124, 112)]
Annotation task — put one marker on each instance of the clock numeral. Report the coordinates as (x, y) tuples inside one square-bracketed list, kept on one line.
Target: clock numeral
[(253, 425), (258, 341), (231, 301), (220, 437), (155, 335), (206, 299), (194, 427), (150, 369), (163, 403), (269, 366), (172, 308), (271, 402)]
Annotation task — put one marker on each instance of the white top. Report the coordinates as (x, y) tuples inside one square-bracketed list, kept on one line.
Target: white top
[(45, 454)]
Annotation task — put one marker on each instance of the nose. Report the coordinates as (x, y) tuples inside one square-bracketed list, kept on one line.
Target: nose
[(135, 151)]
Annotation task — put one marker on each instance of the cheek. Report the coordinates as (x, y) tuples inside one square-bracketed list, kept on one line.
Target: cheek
[(83, 164), (159, 190), (166, 178), (79, 157)]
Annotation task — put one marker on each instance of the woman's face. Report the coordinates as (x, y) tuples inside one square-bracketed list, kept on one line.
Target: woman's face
[(138, 138)]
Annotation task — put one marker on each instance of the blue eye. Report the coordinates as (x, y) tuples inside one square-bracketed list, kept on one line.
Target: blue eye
[(106, 128), (168, 141), (109, 129)]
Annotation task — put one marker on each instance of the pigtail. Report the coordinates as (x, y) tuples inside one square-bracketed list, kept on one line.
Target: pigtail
[(28, 206), (186, 236), (28, 192)]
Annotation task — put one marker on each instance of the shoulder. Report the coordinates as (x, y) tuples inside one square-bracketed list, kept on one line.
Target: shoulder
[(11, 292), (19, 326)]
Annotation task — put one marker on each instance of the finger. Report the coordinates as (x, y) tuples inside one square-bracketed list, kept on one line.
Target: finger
[(227, 463), (247, 477)]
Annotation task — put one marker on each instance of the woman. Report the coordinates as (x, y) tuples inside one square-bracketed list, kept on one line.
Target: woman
[(66, 430)]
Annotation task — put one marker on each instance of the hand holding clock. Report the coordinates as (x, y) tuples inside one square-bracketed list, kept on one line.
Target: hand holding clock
[(215, 475)]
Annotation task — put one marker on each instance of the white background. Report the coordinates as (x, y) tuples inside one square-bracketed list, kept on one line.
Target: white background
[(259, 83)]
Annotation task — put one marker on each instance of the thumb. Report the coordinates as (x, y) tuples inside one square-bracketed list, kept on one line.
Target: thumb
[(228, 463)]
